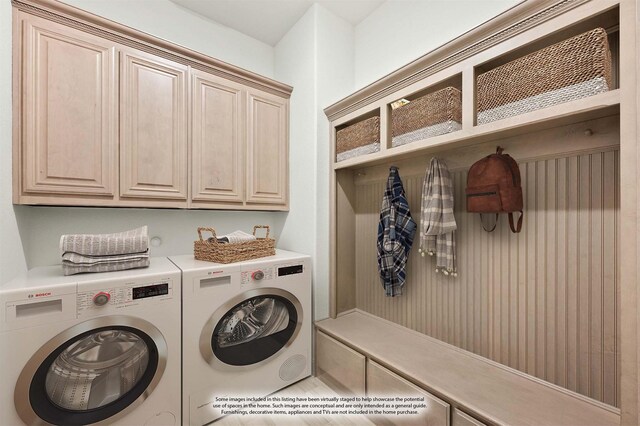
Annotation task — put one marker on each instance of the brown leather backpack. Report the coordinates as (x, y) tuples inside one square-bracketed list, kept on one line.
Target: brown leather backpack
[(493, 186)]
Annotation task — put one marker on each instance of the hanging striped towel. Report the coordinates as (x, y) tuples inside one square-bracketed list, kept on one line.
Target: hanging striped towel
[(438, 224)]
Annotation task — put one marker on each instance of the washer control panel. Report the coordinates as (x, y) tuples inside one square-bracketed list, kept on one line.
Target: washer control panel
[(263, 274), (257, 275), (120, 297)]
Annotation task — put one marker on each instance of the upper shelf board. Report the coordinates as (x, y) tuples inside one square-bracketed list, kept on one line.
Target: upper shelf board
[(600, 105)]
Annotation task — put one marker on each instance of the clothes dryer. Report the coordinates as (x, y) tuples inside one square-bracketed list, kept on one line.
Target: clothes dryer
[(246, 329), (92, 348)]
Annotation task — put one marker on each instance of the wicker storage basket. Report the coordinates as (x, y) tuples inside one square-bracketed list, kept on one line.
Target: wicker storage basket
[(213, 251), (358, 139), (572, 69), (431, 115)]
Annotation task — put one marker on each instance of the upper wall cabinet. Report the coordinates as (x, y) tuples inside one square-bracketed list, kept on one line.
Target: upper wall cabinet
[(267, 157), (68, 121), (153, 127), (105, 115), (217, 139)]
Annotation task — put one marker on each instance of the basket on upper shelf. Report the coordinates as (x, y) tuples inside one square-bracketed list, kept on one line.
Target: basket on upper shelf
[(572, 69), (430, 115), (358, 139), (211, 250)]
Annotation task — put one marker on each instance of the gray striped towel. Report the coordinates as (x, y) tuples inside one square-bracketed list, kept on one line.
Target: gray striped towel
[(438, 224), (234, 237), (79, 259), (70, 268), (120, 243), (105, 252)]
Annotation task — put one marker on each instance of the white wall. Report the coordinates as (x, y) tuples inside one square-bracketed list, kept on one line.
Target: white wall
[(167, 20), (335, 70), (12, 259), (398, 32), (316, 58), (295, 65), (176, 228), (39, 228)]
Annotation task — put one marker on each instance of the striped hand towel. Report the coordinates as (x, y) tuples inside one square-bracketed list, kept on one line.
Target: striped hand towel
[(438, 224), (127, 242)]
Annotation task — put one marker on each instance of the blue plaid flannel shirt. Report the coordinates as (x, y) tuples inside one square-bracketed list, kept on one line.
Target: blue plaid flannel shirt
[(395, 235)]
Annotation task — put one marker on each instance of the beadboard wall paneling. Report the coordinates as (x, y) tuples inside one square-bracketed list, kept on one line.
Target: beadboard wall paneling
[(544, 301)]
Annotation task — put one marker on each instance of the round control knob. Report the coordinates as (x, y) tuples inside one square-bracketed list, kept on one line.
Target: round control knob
[(101, 298), (257, 275)]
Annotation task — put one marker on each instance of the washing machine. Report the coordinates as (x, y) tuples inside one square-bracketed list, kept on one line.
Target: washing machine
[(246, 329), (92, 348)]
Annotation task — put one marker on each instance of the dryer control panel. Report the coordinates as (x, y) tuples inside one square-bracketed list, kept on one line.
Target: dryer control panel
[(122, 296)]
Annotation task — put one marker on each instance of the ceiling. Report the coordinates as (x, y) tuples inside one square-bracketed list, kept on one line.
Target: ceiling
[(269, 20)]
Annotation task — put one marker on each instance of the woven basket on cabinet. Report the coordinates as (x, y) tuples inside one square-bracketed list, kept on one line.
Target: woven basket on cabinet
[(213, 251), (572, 69), (358, 139), (430, 115)]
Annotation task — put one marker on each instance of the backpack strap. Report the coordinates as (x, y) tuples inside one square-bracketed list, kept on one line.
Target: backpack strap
[(514, 229), (494, 223)]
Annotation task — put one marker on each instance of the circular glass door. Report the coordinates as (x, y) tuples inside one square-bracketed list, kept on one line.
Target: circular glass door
[(92, 376), (254, 329)]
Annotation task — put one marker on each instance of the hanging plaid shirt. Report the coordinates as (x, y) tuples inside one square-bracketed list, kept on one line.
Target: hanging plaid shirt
[(395, 235)]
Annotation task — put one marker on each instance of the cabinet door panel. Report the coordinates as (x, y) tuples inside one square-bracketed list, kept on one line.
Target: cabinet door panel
[(218, 139), (267, 144), (382, 382), (339, 366), (153, 135), (463, 419), (69, 111)]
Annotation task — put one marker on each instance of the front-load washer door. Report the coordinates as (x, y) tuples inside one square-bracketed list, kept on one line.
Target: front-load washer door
[(252, 327), (92, 372)]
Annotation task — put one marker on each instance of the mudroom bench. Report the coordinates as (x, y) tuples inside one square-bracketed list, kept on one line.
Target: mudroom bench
[(362, 354)]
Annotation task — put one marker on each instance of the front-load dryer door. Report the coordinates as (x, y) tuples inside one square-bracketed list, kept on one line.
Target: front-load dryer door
[(94, 371), (251, 328)]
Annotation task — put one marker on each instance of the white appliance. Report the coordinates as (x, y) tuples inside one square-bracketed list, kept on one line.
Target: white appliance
[(91, 348), (246, 329)]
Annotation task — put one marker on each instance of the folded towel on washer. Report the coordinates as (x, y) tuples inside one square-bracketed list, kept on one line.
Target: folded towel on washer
[(70, 268), (234, 237), (105, 252), (120, 243), (79, 259)]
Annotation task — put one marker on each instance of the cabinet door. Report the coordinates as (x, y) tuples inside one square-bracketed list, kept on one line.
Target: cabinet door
[(382, 382), (339, 366), (267, 149), (69, 110), (463, 419), (217, 164), (153, 129)]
